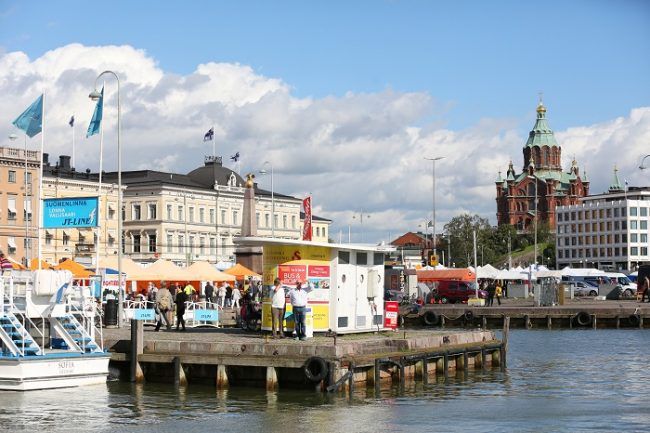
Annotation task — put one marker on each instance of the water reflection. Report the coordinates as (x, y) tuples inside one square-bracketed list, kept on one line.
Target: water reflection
[(556, 381)]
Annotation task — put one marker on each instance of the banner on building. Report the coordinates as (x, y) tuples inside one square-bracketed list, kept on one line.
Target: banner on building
[(306, 231), (70, 212)]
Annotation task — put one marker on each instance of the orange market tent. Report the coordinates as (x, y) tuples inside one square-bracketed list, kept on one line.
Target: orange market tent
[(462, 274), (78, 270), (204, 271), (166, 270), (241, 272), (33, 265), (133, 271), (15, 265)]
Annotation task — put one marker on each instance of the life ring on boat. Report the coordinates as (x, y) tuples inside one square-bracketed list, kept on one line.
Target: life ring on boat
[(469, 316), (634, 319), (583, 318), (430, 318), (315, 369)]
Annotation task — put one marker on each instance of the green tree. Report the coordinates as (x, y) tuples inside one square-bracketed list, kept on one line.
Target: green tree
[(460, 230)]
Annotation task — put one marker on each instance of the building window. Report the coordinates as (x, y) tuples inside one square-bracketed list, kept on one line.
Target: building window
[(137, 212), (266, 220), (616, 212), (66, 238), (181, 216), (235, 218), (181, 243), (81, 238), (293, 221), (11, 208), (170, 242), (257, 219), (318, 231), (644, 251), (190, 247), (29, 178), (223, 216), (152, 243), (12, 176), (201, 215), (275, 220), (48, 238), (191, 208), (27, 212), (634, 251), (111, 239), (634, 237), (212, 216), (202, 245), (643, 225), (633, 211), (136, 243), (11, 244), (644, 238), (111, 212), (169, 212), (152, 211), (644, 211), (213, 246), (633, 225), (284, 221)]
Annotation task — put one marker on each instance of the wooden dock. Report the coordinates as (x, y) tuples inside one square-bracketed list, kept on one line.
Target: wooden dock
[(232, 357), (579, 314)]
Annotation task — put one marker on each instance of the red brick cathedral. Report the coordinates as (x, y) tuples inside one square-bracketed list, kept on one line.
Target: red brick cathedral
[(542, 177)]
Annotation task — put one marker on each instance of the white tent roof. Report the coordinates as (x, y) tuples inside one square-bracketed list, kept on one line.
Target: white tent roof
[(487, 271)]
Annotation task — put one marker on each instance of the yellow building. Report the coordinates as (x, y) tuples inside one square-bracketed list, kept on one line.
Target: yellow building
[(19, 173)]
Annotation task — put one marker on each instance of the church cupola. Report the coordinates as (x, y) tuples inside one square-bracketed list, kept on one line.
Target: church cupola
[(541, 146)]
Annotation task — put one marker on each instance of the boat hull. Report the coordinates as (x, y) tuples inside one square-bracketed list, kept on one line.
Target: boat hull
[(53, 371)]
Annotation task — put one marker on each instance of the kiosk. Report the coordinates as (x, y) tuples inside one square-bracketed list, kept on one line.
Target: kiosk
[(347, 293)]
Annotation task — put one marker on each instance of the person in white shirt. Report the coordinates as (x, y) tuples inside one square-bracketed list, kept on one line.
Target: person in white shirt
[(222, 295), (236, 296), (298, 298), (277, 309)]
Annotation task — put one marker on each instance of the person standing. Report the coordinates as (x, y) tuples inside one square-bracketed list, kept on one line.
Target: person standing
[(646, 284), (498, 292), (209, 294), (164, 303), (236, 296), (222, 295), (298, 298), (190, 291), (152, 292), (277, 309), (5, 264), (491, 288), (181, 298)]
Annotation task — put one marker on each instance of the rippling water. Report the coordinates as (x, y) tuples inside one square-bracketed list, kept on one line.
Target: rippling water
[(556, 381)]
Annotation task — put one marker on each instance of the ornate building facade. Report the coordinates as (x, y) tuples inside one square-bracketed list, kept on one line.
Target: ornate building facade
[(542, 180)]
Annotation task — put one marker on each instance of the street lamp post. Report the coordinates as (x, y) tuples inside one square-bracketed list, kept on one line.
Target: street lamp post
[(433, 180), (641, 166), (95, 95), (263, 171)]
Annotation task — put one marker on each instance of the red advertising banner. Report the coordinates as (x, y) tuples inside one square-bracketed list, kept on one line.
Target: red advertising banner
[(291, 274), (306, 234), (319, 271)]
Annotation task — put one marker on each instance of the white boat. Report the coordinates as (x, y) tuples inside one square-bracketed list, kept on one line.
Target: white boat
[(48, 334)]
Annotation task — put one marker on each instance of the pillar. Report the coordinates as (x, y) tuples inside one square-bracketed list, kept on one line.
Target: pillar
[(222, 377), (137, 348)]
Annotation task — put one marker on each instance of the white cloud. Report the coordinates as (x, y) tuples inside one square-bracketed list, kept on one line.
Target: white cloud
[(353, 153)]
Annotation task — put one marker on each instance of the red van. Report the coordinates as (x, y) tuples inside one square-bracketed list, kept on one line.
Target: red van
[(453, 291)]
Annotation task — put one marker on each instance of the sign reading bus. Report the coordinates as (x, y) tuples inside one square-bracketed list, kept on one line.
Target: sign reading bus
[(70, 212)]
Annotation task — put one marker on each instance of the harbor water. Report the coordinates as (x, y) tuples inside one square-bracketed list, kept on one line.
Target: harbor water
[(572, 380)]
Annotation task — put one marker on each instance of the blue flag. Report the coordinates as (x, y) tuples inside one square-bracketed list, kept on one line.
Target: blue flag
[(96, 121), (209, 135), (31, 121)]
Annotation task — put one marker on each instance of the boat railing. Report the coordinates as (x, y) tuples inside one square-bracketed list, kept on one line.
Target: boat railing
[(7, 305), (86, 308)]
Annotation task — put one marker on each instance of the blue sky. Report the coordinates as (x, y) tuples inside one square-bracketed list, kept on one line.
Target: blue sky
[(480, 58), (345, 97)]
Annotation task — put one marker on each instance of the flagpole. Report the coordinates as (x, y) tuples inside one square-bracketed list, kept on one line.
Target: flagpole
[(214, 144), (74, 165), (99, 186), (40, 186)]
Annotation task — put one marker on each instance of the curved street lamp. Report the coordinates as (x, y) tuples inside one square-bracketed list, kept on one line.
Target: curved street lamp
[(641, 166), (263, 171), (95, 95)]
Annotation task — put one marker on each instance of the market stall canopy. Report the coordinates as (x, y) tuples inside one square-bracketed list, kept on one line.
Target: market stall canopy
[(133, 271), (78, 270), (464, 274), (15, 265), (511, 274), (487, 271), (241, 272), (204, 271), (166, 270), (33, 265)]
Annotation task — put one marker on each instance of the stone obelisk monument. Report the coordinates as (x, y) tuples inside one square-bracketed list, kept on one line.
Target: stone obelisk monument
[(251, 257)]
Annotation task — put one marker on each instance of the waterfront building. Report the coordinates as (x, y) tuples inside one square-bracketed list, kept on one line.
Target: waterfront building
[(413, 249), (195, 216), (542, 178), (605, 231), (19, 174), (79, 244)]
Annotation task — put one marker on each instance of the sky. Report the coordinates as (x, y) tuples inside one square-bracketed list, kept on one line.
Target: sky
[(344, 98)]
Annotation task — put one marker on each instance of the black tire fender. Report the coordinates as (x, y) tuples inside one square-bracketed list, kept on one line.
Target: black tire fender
[(315, 369), (583, 318), (634, 319), (430, 318)]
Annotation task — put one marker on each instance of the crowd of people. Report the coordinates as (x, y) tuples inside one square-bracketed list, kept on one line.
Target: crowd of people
[(494, 289)]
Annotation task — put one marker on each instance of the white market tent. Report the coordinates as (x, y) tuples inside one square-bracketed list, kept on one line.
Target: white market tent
[(488, 271)]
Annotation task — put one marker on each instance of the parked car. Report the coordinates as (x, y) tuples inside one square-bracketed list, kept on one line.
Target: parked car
[(395, 295), (629, 288), (583, 288), (452, 291)]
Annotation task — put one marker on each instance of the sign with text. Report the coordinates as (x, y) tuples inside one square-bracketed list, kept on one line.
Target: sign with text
[(206, 315), (70, 212), (291, 274), (144, 314)]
